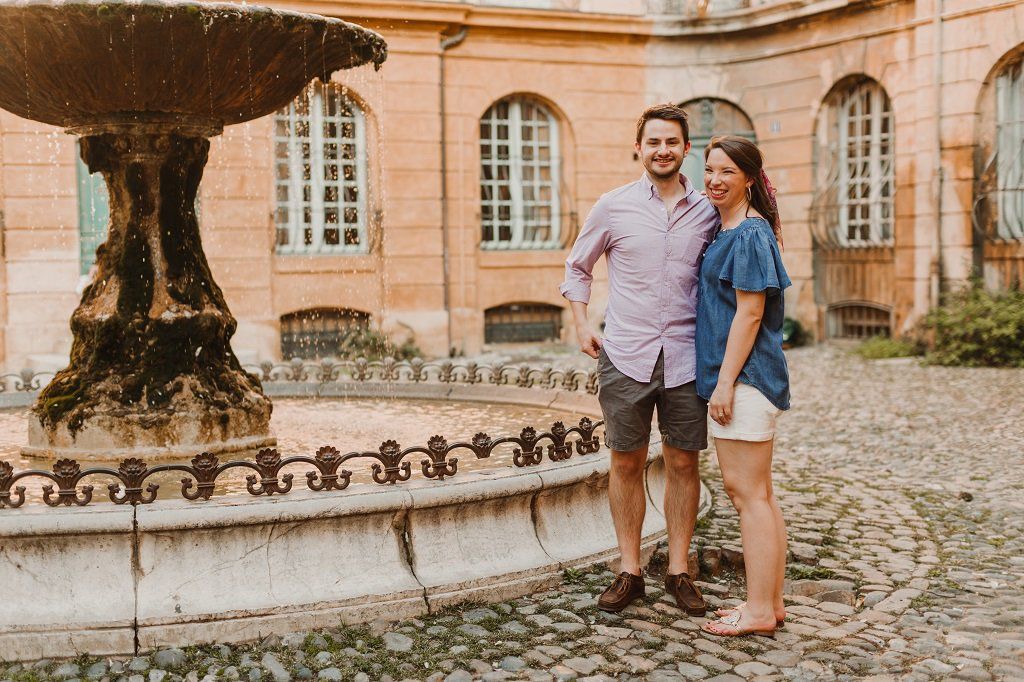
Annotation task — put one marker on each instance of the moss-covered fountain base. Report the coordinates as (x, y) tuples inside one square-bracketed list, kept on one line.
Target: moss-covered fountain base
[(152, 372)]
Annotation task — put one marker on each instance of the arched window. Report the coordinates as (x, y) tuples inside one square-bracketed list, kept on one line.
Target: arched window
[(519, 176), (522, 323), (855, 178), (999, 209), (320, 160), (321, 332), (708, 117)]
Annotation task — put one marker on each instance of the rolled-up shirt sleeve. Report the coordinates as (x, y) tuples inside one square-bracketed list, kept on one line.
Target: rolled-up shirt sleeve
[(590, 244)]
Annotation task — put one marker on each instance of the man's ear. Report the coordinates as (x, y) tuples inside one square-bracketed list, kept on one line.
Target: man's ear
[(686, 148)]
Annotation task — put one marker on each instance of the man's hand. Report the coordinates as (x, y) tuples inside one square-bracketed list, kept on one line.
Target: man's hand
[(590, 343), (720, 405)]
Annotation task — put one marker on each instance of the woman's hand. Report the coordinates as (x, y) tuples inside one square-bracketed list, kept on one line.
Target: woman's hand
[(720, 405)]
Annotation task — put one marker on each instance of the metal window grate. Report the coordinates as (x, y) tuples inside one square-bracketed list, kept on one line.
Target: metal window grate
[(519, 175), (320, 160), (522, 323), (320, 332), (853, 204), (858, 321)]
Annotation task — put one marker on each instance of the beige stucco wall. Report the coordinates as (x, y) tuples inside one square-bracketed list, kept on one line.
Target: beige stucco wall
[(595, 72)]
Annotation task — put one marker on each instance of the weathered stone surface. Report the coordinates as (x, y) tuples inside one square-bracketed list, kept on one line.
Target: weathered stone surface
[(473, 630), (584, 666), (275, 668), (459, 675), (396, 641), (691, 671), (169, 658), (478, 615)]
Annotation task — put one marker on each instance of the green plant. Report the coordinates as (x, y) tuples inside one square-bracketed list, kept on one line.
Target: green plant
[(879, 347), (793, 333), (803, 572), (977, 328)]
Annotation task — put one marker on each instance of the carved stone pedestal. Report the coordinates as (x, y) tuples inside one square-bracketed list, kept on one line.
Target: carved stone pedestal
[(152, 372)]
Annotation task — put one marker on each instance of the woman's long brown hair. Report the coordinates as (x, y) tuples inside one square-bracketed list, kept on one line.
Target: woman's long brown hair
[(746, 155)]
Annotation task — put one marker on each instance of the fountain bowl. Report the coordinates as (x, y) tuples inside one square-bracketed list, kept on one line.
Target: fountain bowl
[(80, 64)]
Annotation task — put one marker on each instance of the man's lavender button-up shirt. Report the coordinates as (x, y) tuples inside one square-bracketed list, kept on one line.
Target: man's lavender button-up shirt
[(653, 262)]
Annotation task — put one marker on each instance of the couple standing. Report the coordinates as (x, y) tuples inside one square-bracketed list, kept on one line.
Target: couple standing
[(693, 326)]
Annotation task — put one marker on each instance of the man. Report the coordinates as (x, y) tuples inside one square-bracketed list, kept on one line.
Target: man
[(652, 233)]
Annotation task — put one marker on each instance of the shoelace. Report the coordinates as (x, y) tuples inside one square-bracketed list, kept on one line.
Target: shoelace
[(685, 578), (620, 584)]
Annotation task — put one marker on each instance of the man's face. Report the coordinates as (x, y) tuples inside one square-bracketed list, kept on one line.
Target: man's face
[(661, 148)]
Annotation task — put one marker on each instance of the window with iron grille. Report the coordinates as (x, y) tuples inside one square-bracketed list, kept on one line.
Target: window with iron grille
[(1009, 161), (855, 170), (320, 160), (857, 320), (522, 323), (519, 176), (321, 332)]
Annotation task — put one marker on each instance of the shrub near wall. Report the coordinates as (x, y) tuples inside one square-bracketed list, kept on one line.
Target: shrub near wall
[(977, 328)]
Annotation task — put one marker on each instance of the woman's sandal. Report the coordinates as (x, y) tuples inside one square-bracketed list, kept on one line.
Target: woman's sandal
[(733, 621), (722, 613)]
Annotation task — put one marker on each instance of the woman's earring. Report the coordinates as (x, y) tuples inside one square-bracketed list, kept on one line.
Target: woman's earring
[(749, 195)]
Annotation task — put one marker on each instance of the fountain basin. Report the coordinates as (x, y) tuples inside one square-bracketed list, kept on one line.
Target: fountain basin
[(238, 568), (205, 64)]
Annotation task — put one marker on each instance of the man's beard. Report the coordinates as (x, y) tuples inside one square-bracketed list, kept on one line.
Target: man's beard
[(666, 174)]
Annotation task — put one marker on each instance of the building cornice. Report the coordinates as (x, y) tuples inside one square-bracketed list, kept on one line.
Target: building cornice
[(446, 16), (761, 17)]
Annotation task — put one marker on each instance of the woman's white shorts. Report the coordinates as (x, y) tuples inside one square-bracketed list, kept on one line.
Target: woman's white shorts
[(753, 417)]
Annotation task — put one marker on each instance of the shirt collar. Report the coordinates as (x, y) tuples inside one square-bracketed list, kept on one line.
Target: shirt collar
[(652, 191)]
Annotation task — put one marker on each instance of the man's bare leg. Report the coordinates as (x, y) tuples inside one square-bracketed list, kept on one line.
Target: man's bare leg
[(626, 496), (682, 497)]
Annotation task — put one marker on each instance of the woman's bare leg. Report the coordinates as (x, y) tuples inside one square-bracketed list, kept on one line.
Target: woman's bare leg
[(746, 472)]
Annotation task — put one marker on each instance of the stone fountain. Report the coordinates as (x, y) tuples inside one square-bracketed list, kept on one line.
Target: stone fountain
[(145, 85)]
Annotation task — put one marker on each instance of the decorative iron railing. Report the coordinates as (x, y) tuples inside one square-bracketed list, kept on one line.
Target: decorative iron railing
[(388, 370), (389, 467), (418, 371), (25, 381)]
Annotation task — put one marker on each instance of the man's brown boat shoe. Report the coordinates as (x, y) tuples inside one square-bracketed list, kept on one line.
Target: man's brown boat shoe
[(622, 592), (686, 594)]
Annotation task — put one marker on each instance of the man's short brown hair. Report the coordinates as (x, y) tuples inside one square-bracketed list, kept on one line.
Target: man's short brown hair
[(664, 112)]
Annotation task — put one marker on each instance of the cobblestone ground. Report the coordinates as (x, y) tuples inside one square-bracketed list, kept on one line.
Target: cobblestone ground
[(903, 487)]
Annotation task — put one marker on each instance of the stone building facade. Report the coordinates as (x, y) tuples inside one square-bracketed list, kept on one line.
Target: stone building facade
[(437, 198)]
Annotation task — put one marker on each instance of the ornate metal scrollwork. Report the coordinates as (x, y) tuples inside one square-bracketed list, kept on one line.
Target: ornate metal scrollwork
[(389, 467), (418, 371)]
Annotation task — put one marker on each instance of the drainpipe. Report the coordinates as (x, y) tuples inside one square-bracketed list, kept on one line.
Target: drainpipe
[(447, 43), (936, 259)]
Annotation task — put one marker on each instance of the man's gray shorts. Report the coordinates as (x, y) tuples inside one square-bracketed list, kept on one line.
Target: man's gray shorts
[(628, 407)]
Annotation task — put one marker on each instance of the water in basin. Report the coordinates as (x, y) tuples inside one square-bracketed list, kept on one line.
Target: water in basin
[(303, 425)]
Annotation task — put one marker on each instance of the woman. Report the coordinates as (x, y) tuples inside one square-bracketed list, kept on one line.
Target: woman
[(741, 370)]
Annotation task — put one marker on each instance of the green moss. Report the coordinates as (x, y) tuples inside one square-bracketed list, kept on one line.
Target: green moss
[(804, 572), (881, 347)]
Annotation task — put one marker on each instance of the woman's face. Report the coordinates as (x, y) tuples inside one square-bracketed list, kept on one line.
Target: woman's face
[(725, 183)]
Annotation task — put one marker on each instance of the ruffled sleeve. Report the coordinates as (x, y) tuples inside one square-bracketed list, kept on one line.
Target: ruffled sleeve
[(755, 263)]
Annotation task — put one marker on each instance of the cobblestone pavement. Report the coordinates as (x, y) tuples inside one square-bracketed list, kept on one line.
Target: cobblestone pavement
[(903, 487)]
